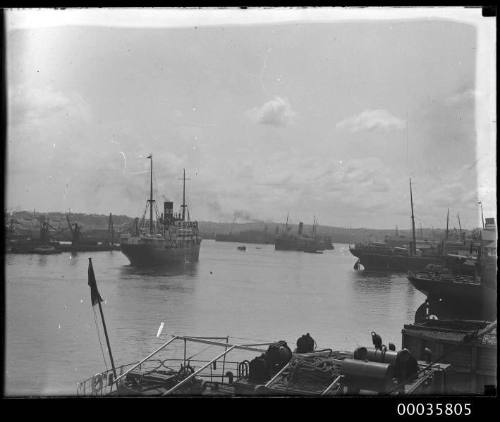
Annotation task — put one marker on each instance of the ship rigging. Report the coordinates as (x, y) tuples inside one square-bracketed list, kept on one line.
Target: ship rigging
[(171, 240)]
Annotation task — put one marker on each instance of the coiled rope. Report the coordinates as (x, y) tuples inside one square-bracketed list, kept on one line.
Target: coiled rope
[(315, 370)]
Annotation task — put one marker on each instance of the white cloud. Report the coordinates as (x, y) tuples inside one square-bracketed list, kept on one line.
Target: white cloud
[(30, 105), (276, 112), (370, 120)]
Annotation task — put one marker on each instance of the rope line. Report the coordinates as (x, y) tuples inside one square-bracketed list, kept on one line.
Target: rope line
[(201, 351)]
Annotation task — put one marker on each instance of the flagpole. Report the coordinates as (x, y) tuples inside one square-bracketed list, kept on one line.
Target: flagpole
[(106, 333), (107, 341)]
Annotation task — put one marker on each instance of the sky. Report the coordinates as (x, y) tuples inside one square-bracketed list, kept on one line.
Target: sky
[(271, 112)]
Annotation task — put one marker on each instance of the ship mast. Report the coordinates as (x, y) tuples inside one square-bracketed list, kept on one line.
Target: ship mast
[(184, 195), (482, 216), (413, 249), (151, 200), (447, 221)]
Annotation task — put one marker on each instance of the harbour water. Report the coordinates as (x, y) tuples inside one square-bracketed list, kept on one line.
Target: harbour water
[(257, 295)]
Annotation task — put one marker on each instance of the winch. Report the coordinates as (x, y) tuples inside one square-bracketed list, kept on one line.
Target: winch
[(366, 375)]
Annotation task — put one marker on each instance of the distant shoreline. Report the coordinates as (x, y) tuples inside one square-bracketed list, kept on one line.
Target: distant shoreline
[(209, 229)]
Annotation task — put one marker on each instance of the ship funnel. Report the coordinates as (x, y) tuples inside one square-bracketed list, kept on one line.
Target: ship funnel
[(301, 227), (168, 211)]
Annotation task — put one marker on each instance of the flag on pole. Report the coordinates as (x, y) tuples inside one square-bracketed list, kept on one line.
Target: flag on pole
[(94, 293)]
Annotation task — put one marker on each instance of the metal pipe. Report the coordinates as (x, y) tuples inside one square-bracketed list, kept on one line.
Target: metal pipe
[(206, 337), (335, 381), (224, 362), (185, 380), (151, 199), (277, 375), (145, 359), (185, 351)]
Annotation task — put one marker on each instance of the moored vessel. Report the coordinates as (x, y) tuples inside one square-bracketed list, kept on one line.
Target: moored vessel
[(412, 254), (469, 286)]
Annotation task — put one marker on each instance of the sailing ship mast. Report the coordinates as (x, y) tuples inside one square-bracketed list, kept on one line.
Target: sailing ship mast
[(413, 249)]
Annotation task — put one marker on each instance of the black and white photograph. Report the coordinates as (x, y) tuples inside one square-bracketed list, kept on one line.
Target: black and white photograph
[(251, 202)]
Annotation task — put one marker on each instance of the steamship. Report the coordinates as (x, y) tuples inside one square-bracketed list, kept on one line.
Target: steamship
[(169, 240), (287, 241)]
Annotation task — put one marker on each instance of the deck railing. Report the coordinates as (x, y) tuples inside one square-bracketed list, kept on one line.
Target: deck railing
[(217, 370), (103, 384)]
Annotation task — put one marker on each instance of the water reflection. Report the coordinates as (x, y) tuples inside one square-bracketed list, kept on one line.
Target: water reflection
[(73, 258), (170, 270), (369, 282), (42, 260), (259, 294)]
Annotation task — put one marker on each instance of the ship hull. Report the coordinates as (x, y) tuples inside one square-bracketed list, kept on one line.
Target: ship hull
[(297, 245), (382, 262), (148, 255), (465, 297)]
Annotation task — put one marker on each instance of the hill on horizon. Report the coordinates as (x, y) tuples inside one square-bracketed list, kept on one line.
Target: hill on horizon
[(27, 220)]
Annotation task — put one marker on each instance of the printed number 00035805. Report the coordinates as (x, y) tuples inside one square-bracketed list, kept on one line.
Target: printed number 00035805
[(433, 409)]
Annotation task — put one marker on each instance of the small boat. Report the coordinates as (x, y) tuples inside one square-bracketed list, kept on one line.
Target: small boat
[(242, 248)]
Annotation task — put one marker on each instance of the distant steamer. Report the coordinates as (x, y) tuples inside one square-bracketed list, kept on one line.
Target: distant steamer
[(287, 241)]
